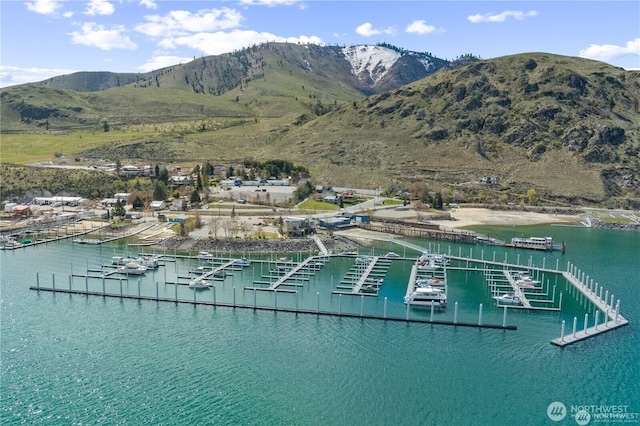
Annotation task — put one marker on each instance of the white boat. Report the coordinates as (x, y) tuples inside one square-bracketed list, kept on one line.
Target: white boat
[(369, 288), (8, 242), (205, 255), (242, 262), (508, 299), (427, 296), (151, 262), (362, 260), (523, 280), (428, 265), (349, 253), (119, 260), (219, 273), (537, 243), (199, 283), (392, 255), (132, 268), (430, 282), (428, 257)]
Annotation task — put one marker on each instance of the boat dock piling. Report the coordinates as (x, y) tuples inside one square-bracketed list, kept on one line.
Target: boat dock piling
[(274, 308), (612, 317), (499, 275)]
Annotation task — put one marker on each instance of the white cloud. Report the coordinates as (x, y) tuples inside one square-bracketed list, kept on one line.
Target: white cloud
[(420, 27), (43, 7), (99, 36), (367, 30), (11, 76), (149, 4), (605, 52), (99, 7), (68, 14), (182, 22), (223, 42), (502, 16)]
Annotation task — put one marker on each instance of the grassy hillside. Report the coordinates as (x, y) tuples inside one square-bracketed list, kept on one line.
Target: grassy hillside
[(566, 127)]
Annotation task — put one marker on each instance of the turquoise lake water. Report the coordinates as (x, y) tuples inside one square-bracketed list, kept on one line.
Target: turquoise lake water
[(76, 359)]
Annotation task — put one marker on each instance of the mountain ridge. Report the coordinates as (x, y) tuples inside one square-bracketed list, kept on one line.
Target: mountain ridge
[(565, 126)]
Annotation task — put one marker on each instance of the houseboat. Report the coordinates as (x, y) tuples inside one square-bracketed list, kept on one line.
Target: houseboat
[(537, 243)]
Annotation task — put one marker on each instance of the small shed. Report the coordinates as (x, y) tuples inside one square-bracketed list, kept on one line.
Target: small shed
[(21, 210), (158, 205)]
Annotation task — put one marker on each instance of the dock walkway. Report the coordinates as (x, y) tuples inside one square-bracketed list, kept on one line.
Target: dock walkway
[(612, 317), (517, 290), (291, 273), (214, 270), (321, 246), (365, 274), (412, 282)]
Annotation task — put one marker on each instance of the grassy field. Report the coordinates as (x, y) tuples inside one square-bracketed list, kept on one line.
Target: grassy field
[(313, 205)]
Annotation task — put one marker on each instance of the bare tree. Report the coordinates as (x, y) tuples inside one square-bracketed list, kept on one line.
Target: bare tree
[(227, 227), (214, 226)]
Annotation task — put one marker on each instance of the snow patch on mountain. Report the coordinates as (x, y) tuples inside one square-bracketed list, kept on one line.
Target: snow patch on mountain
[(423, 60), (372, 61)]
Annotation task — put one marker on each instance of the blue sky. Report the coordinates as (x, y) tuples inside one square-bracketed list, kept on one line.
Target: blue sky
[(45, 38)]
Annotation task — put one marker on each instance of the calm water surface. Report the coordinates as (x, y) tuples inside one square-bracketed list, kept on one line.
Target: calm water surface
[(73, 359)]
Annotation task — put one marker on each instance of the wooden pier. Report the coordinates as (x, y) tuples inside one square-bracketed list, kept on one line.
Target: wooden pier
[(432, 232)]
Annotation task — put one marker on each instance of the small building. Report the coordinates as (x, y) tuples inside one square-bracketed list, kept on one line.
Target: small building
[(108, 202), (180, 180), (8, 207), (177, 205), (122, 196), (333, 199), (158, 205), (297, 226), (358, 217), (57, 201), (21, 210), (334, 222)]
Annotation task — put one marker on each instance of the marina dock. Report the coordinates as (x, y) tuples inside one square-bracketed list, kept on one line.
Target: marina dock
[(517, 290), (611, 316), (369, 271)]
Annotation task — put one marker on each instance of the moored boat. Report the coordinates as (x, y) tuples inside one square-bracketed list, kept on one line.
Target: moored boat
[(427, 296), (523, 280), (205, 255), (199, 283), (508, 299), (242, 262), (132, 268)]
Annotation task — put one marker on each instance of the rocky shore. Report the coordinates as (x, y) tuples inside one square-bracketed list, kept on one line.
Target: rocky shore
[(335, 244), (595, 223)]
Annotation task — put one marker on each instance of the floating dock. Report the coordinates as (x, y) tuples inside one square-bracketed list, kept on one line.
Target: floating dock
[(612, 317)]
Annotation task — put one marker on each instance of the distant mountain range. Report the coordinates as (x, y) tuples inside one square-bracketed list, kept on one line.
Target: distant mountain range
[(374, 116)]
